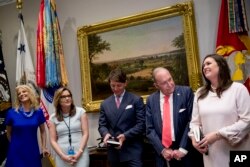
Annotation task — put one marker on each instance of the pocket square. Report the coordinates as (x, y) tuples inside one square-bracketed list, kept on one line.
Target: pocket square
[(181, 110), (128, 107)]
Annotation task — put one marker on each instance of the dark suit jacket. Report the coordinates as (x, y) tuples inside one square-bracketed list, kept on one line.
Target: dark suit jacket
[(182, 99), (129, 120)]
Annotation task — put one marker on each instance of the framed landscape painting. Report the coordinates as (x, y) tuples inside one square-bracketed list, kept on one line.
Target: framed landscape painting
[(137, 44)]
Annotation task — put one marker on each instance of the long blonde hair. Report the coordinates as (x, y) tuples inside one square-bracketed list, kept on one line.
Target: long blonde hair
[(31, 94)]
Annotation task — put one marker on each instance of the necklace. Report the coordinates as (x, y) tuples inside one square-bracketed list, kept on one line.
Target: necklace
[(29, 114), (213, 88), (26, 114)]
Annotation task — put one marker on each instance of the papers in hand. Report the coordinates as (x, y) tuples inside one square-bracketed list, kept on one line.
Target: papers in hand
[(113, 142), (198, 135)]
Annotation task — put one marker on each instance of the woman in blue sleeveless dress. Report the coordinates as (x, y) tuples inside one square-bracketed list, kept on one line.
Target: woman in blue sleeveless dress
[(69, 131), (22, 123)]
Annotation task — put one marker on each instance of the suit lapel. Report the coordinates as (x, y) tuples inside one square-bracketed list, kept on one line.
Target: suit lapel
[(121, 109), (158, 111), (176, 107), (113, 111)]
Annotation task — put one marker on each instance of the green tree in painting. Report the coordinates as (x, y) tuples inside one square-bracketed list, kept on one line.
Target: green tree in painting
[(96, 46), (179, 65), (178, 42), (98, 72)]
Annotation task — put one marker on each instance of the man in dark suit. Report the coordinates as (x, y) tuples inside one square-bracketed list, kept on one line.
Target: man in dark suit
[(180, 152), (122, 117)]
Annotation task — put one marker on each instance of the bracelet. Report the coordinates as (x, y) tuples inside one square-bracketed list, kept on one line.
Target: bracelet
[(218, 135), (80, 150)]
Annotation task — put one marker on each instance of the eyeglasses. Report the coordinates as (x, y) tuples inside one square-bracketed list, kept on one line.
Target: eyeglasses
[(65, 96)]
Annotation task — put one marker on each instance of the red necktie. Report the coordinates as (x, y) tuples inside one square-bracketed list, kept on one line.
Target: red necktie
[(166, 125), (117, 101)]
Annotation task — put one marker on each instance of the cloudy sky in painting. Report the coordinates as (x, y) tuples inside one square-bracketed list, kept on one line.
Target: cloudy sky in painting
[(143, 39)]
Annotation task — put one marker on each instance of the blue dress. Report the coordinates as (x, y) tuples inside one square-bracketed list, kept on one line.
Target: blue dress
[(23, 149)]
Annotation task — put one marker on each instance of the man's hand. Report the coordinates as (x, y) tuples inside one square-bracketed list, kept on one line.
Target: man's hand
[(121, 138), (167, 153), (107, 136), (178, 155)]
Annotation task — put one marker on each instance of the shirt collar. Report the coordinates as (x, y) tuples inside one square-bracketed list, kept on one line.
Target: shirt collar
[(121, 94), (162, 95)]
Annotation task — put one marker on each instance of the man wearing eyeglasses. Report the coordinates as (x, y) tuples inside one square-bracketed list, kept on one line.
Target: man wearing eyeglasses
[(168, 112)]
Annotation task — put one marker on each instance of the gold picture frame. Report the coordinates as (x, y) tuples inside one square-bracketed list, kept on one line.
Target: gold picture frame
[(182, 13)]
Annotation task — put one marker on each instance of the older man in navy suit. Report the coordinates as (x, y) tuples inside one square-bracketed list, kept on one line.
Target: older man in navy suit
[(122, 117), (174, 148)]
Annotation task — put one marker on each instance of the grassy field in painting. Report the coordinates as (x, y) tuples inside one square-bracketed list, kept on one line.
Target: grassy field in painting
[(139, 73)]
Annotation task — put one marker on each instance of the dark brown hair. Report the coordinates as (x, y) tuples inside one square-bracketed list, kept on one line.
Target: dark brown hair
[(56, 102), (224, 78), (117, 75)]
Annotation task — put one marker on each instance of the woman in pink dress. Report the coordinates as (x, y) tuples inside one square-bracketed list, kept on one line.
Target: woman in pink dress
[(222, 111)]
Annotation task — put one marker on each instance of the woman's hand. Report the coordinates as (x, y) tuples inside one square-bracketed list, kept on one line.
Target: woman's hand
[(69, 159), (45, 152), (201, 146), (77, 155), (212, 137)]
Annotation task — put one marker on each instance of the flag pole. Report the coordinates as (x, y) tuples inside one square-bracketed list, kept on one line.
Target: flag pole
[(0, 37)]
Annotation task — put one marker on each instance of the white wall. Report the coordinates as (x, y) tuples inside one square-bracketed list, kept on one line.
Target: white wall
[(75, 13)]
